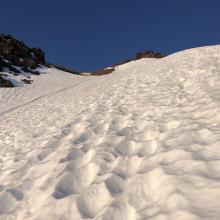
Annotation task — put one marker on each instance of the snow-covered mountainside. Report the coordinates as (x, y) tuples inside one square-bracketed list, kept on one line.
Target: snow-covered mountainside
[(20, 64), (142, 143)]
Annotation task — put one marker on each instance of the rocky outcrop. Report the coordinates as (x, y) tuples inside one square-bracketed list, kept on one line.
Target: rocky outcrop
[(149, 54), (16, 59), (16, 53), (140, 55), (103, 72), (5, 83)]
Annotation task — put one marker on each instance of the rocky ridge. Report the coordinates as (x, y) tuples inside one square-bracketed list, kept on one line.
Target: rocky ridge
[(18, 62)]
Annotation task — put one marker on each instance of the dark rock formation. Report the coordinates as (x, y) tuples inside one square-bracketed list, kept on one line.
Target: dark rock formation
[(102, 72), (146, 54), (27, 81), (28, 70), (17, 58), (5, 83), (149, 54), (16, 53)]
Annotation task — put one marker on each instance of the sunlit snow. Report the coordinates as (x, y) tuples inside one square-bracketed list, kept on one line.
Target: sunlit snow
[(142, 143)]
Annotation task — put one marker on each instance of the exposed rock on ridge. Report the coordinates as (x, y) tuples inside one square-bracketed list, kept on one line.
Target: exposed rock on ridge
[(16, 53)]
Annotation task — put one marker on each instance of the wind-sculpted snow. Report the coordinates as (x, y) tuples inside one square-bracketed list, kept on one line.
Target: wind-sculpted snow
[(139, 144)]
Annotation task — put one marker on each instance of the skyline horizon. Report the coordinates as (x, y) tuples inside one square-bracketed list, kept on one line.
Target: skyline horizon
[(87, 36), (110, 65)]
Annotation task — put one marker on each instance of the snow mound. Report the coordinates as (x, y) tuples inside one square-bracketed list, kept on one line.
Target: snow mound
[(142, 143)]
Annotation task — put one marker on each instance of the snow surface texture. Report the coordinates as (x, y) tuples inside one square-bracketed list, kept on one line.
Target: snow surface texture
[(142, 143)]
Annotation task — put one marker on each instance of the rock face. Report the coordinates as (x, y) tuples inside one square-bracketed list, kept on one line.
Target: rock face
[(102, 72), (140, 55), (5, 83), (16, 53), (149, 54), (18, 59)]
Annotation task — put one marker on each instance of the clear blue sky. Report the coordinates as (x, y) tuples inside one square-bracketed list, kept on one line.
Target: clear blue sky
[(91, 34)]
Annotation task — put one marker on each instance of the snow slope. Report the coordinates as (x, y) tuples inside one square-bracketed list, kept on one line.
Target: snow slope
[(142, 143), (49, 82)]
